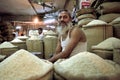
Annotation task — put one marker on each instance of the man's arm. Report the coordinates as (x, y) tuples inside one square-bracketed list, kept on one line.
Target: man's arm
[(74, 39)]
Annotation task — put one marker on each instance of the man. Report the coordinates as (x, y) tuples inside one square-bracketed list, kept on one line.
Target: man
[(71, 41), (40, 31)]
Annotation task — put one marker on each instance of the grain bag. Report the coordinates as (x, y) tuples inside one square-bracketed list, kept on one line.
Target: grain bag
[(115, 21), (21, 44), (23, 65), (109, 17), (84, 66), (116, 53), (84, 21), (50, 43), (109, 7), (34, 44), (96, 31), (86, 16), (107, 44), (23, 38), (116, 30), (7, 48)]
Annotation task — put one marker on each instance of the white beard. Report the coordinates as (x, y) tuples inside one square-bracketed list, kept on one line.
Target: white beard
[(62, 30)]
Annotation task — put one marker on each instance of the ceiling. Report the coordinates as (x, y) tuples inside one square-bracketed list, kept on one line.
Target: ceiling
[(29, 7)]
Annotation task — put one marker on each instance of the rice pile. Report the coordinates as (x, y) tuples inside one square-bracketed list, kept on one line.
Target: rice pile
[(23, 65), (6, 45), (16, 40), (84, 65), (107, 44), (51, 33)]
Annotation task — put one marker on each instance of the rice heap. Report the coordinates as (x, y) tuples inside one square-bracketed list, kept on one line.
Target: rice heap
[(23, 65), (84, 65), (96, 22), (23, 38), (6, 45), (107, 44), (51, 33), (21, 44)]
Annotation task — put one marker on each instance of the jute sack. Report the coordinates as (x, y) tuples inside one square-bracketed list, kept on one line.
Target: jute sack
[(7, 48), (116, 53), (84, 21), (85, 11), (115, 21), (96, 32), (84, 66), (23, 38), (107, 44), (21, 44), (50, 43), (105, 54), (116, 30), (50, 33), (86, 16), (109, 7), (109, 17), (34, 44), (23, 65)]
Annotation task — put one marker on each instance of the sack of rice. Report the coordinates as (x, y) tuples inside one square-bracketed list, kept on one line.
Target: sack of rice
[(95, 23), (50, 43), (21, 44), (84, 66), (86, 16), (34, 44), (116, 53), (107, 44), (96, 33), (109, 17), (109, 7), (51, 33), (116, 30), (105, 54), (23, 38), (115, 21), (85, 11), (7, 48), (84, 21), (23, 65), (2, 57)]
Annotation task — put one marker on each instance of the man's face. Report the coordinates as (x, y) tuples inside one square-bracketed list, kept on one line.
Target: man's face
[(63, 18)]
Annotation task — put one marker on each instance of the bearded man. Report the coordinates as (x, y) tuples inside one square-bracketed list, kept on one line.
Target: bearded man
[(72, 39)]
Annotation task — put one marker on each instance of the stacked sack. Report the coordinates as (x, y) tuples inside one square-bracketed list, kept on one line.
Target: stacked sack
[(96, 31), (105, 48), (108, 11), (116, 27), (50, 43), (23, 65), (86, 66), (85, 15), (7, 48), (6, 32)]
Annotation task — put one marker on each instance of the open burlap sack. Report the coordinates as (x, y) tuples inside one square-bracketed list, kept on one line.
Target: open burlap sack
[(84, 21), (105, 54), (50, 43), (23, 65), (96, 31), (115, 21), (116, 30), (34, 44), (84, 66), (17, 42), (7, 48), (107, 44), (109, 17)]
